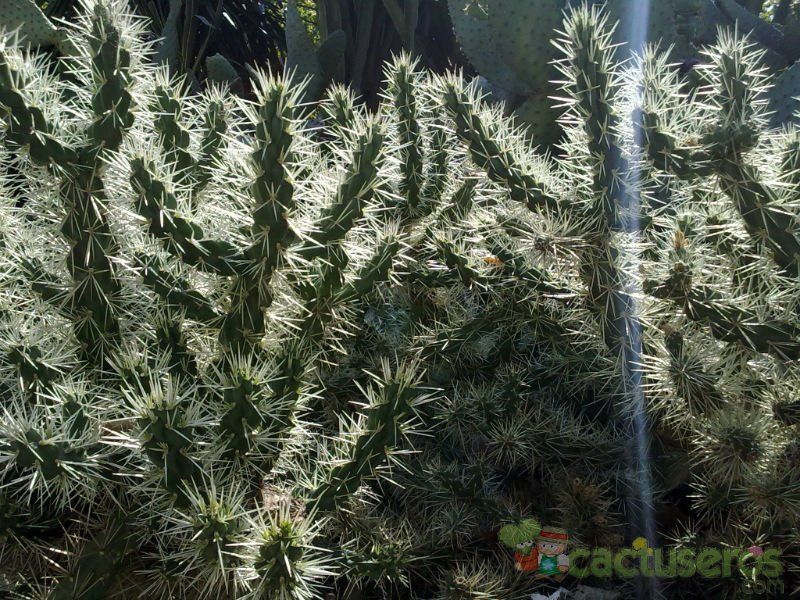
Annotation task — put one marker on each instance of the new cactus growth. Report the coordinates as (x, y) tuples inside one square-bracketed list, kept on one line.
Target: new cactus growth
[(243, 358)]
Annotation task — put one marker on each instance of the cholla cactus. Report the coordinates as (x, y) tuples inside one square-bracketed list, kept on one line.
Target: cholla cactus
[(242, 358)]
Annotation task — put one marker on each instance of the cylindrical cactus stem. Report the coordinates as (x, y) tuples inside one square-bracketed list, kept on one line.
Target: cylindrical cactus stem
[(738, 81), (292, 364), (287, 564), (353, 193), (50, 454), (241, 418), (375, 271), (765, 213), (173, 136), (487, 151), (207, 535), (27, 126), (95, 295), (404, 80), (274, 415), (387, 555), (729, 445), (738, 85), (34, 373), (172, 342), (663, 150), (165, 419), (357, 188), (176, 292), (454, 340), (179, 236), (730, 322), (215, 128), (460, 204), (326, 283), (607, 284), (260, 409), (454, 259), (727, 320), (112, 101), (514, 265), (656, 123), (591, 81), (436, 176), (98, 564), (448, 215), (271, 232), (96, 288), (387, 422), (691, 379), (787, 413), (339, 111), (289, 377)]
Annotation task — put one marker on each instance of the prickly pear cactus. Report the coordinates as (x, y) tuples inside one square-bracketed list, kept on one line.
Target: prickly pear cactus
[(518, 57), (513, 50), (27, 18), (784, 97), (220, 70), (242, 357)]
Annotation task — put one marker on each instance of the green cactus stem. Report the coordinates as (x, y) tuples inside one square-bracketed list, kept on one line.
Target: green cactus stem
[(271, 232), (179, 236), (487, 152), (387, 419), (172, 133), (404, 78)]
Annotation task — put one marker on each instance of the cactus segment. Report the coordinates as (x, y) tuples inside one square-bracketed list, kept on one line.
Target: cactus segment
[(25, 17), (784, 97), (220, 70)]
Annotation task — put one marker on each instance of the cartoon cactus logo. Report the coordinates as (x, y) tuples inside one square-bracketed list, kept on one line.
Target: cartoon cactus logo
[(539, 550), (521, 537)]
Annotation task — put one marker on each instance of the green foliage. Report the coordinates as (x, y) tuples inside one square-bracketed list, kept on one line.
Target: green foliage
[(242, 357), (216, 40)]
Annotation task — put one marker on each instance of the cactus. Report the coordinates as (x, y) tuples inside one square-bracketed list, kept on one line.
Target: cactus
[(33, 26), (783, 98), (304, 59), (520, 72), (241, 357), (512, 49), (352, 42), (220, 70)]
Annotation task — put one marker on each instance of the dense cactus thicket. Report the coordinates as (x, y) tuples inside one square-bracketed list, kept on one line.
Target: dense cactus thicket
[(247, 358)]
